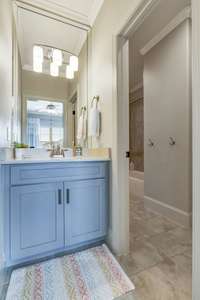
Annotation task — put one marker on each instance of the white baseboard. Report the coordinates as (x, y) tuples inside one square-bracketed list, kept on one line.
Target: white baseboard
[(176, 215)]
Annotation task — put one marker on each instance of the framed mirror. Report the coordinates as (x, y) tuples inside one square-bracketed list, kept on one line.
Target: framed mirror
[(54, 62)]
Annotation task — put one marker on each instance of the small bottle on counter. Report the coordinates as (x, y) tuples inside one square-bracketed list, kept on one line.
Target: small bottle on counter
[(78, 150)]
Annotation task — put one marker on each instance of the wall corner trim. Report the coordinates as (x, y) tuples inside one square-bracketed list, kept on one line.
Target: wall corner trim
[(180, 18), (172, 213)]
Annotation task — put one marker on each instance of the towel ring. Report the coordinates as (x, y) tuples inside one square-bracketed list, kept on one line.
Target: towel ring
[(95, 98)]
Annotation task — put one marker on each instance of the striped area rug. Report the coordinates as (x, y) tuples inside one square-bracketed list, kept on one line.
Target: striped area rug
[(92, 274)]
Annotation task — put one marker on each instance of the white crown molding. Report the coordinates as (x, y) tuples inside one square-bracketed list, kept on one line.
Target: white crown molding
[(65, 11), (50, 8), (180, 18), (97, 4), (139, 16)]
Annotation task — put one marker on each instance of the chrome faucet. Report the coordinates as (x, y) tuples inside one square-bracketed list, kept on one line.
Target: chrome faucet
[(57, 151)]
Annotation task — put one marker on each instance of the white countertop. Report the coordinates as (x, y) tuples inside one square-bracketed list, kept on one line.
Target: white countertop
[(53, 160)]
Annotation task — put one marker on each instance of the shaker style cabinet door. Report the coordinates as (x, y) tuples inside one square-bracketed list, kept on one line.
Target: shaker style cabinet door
[(85, 211), (37, 220)]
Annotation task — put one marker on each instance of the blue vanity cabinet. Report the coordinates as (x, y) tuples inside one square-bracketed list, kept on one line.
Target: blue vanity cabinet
[(85, 211), (36, 214), (53, 208)]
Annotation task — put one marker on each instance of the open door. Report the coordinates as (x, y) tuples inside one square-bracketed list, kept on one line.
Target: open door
[(123, 141)]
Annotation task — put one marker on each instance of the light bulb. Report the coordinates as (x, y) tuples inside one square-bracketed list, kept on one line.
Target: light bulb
[(74, 63), (38, 54), (69, 72), (57, 57), (54, 70), (38, 58)]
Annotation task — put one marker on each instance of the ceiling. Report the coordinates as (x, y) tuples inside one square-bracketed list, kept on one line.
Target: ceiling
[(61, 24), (84, 11), (164, 12), (36, 29)]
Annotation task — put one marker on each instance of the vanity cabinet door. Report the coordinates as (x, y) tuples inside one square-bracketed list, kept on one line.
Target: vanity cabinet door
[(37, 219), (85, 211)]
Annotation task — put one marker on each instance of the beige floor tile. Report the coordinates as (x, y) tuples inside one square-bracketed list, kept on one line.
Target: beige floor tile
[(160, 259), (143, 255), (168, 280), (178, 271), (140, 228), (173, 242), (131, 296), (153, 284)]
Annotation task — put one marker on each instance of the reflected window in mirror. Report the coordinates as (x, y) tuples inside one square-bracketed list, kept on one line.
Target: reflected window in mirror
[(45, 123)]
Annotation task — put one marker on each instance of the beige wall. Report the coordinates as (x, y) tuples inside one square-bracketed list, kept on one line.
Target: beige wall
[(42, 85), (112, 17), (102, 81), (167, 103), (10, 91), (164, 12)]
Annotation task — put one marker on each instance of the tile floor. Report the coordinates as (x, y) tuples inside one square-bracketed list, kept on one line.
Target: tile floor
[(160, 260)]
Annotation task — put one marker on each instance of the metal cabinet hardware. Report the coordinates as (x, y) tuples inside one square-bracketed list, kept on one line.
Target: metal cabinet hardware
[(172, 141), (59, 196), (67, 196)]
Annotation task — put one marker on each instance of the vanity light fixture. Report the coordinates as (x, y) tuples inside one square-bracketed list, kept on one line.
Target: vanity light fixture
[(74, 63), (38, 58), (69, 72), (54, 69), (57, 57)]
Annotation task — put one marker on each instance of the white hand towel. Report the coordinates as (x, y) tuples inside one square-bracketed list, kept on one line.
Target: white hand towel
[(82, 127), (94, 122)]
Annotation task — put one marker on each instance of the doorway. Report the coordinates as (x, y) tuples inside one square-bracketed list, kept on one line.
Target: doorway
[(151, 140)]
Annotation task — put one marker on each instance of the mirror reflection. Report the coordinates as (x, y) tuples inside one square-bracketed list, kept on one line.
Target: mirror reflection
[(54, 80)]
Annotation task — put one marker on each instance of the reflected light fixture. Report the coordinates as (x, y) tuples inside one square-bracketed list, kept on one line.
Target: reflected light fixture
[(57, 57), (54, 69), (38, 58), (69, 72), (74, 63)]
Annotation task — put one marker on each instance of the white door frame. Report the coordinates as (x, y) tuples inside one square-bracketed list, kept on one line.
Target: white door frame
[(121, 132)]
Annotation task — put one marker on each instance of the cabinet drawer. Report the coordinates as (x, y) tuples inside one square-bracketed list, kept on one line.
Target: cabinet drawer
[(41, 173)]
